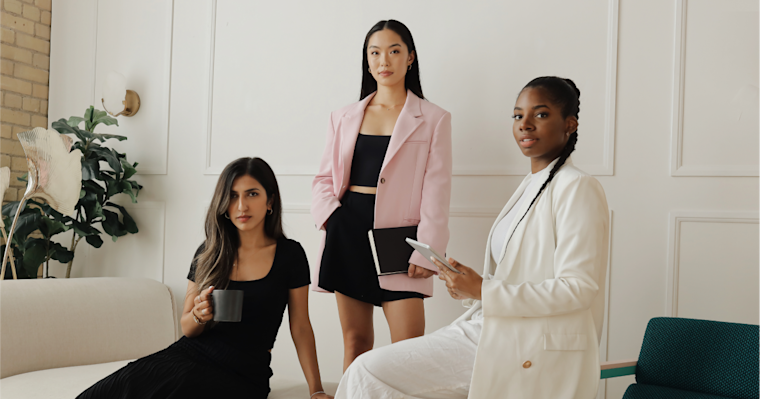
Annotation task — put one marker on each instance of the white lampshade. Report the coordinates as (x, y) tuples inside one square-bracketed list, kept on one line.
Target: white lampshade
[(114, 92)]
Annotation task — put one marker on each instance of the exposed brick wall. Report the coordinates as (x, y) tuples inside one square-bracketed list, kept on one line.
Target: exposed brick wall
[(24, 73)]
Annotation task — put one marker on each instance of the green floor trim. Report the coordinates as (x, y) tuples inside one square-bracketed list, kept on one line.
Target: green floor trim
[(610, 373)]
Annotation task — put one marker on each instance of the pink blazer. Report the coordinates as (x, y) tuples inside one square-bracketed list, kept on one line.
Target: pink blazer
[(414, 186)]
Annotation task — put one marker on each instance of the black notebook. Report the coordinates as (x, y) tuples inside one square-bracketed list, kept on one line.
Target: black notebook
[(390, 249)]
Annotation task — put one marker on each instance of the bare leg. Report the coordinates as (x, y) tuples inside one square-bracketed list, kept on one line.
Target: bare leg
[(406, 318), (356, 323)]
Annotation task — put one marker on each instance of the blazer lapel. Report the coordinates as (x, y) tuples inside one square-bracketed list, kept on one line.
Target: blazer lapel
[(348, 133), (408, 120)]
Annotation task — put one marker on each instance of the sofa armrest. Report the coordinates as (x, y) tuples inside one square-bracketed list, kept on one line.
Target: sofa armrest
[(618, 368)]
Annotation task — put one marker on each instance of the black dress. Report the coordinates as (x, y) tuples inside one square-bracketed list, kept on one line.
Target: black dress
[(230, 360)]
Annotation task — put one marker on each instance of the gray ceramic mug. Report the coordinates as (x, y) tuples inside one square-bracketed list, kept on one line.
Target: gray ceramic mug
[(228, 305)]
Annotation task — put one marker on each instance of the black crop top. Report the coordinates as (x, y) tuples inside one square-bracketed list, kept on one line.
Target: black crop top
[(368, 159)]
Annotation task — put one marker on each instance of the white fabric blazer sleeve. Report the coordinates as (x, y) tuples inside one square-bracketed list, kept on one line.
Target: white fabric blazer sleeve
[(581, 231)]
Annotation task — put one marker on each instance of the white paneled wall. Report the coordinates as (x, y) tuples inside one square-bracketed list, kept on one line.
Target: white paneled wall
[(668, 124)]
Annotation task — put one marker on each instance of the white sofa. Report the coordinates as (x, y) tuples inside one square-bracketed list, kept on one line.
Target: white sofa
[(59, 336)]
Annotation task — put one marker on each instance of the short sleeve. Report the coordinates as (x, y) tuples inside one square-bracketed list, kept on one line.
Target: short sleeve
[(298, 268), (191, 273)]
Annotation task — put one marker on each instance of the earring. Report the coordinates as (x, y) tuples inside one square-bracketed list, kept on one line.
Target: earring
[(410, 67), (369, 70), (269, 211), (226, 215)]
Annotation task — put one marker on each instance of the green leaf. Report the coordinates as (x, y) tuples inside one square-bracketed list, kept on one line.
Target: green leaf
[(85, 133), (74, 121), (97, 114), (106, 119), (93, 187), (129, 224), (29, 220), (88, 118), (81, 192), (126, 188), (111, 224), (64, 127), (50, 227), (84, 229), (112, 186), (129, 170), (90, 169), (103, 137), (60, 253), (23, 177), (92, 210), (95, 241), (108, 155), (9, 209), (34, 256)]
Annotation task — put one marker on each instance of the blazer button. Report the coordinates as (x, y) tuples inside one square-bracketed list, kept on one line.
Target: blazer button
[(382, 180), (527, 364)]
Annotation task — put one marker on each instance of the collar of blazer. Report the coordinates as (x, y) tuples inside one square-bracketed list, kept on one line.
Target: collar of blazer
[(408, 121), (516, 235)]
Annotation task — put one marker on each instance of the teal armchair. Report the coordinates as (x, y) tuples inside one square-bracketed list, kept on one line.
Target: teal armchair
[(692, 359)]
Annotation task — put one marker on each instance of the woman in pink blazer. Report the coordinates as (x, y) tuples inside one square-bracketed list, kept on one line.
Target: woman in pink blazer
[(386, 163)]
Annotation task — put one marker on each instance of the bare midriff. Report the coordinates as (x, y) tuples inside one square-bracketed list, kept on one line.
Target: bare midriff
[(363, 189)]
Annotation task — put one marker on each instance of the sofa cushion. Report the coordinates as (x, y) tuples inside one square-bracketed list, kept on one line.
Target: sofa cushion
[(68, 382), (64, 382)]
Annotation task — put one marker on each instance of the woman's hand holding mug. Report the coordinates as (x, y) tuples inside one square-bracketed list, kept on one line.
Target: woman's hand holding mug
[(203, 310)]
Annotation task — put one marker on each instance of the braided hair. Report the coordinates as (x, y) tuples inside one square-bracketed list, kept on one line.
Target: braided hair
[(565, 94)]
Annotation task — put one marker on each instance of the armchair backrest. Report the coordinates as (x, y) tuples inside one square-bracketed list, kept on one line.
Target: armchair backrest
[(705, 356)]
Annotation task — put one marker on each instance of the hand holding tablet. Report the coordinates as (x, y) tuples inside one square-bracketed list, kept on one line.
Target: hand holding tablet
[(429, 252)]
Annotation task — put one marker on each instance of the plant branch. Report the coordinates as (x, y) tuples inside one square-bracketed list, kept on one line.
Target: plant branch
[(73, 248)]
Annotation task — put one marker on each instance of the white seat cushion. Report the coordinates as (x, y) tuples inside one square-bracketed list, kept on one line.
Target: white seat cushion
[(68, 382), (64, 382)]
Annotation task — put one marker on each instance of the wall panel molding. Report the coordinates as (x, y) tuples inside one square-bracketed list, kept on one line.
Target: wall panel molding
[(677, 168), (606, 168), (675, 219)]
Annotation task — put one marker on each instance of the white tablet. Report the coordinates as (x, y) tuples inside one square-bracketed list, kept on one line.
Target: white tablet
[(427, 252)]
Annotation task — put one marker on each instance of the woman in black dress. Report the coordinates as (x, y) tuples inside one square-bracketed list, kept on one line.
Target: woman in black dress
[(245, 249)]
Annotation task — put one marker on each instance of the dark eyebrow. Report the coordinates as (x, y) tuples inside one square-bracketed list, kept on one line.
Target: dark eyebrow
[(248, 191), (392, 45), (540, 106)]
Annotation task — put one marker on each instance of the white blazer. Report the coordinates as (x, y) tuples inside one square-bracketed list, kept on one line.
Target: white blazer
[(544, 307)]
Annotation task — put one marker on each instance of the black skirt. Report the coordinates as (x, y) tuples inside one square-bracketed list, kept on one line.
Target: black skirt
[(186, 370), (347, 264)]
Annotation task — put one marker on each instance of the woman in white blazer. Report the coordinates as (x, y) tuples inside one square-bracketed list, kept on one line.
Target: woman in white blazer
[(535, 315)]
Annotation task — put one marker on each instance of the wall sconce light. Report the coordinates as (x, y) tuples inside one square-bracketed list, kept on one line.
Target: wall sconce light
[(117, 100)]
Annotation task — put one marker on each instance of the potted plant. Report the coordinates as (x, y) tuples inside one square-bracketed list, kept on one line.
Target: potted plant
[(105, 173)]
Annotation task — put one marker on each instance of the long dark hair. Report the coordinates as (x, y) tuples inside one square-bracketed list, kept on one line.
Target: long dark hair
[(412, 80), (565, 94), (214, 263)]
